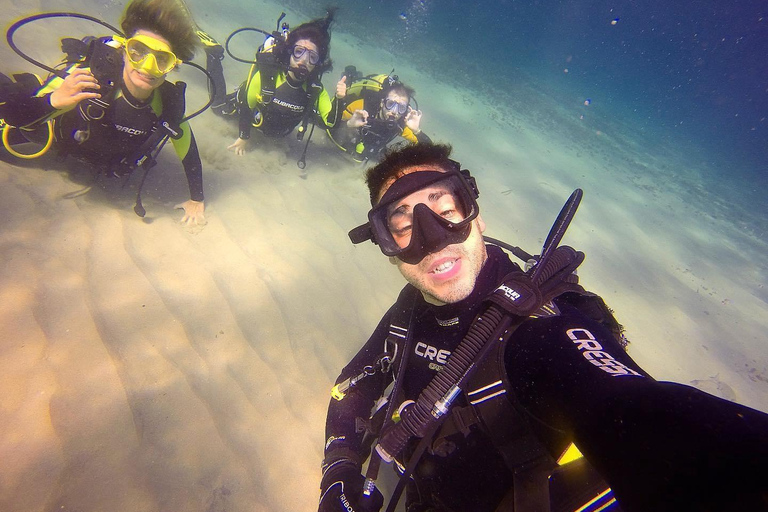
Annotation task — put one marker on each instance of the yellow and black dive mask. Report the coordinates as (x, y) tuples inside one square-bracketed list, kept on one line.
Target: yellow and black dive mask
[(411, 227), (148, 54)]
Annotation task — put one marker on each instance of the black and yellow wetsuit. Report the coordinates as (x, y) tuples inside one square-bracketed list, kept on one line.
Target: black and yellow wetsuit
[(105, 137), (366, 142), (286, 108)]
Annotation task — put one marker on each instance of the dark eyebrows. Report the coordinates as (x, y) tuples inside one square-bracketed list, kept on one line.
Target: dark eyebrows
[(400, 210), (403, 208), (434, 196)]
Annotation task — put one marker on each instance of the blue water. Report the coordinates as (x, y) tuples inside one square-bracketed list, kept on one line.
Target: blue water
[(691, 73)]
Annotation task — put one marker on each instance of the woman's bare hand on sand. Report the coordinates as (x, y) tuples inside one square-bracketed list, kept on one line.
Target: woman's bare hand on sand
[(238, 146), (194, 213)]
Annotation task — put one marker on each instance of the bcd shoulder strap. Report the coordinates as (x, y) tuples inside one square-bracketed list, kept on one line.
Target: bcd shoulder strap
[(268, 68), (168, 125), (172, 96)]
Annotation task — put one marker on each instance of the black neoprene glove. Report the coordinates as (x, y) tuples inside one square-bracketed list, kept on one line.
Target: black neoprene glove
[(342, 490)]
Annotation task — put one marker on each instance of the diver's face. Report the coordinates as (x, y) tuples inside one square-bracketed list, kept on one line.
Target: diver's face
[(302, 57), (448, 275), (139, 82), (398, 104)]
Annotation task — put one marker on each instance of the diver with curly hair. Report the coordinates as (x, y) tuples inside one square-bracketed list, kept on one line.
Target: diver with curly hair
[(283, 88)]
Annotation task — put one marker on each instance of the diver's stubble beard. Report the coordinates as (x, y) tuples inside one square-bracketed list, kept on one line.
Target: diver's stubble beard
[(471, 255)]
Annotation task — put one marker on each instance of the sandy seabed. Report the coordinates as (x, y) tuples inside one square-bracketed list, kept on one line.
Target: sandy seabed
[(148, 366)]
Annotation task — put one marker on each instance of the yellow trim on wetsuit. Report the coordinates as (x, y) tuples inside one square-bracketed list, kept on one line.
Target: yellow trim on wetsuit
[(181, 145), (595, 500), (409, 135), (569, 455), (254, 96), (324, 105), (253, 87)]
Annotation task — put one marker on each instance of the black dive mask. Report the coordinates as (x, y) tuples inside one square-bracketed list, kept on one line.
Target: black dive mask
[(412, 226)]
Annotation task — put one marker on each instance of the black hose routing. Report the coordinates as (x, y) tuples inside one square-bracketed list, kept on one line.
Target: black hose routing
[(63, 74), (418, 418)]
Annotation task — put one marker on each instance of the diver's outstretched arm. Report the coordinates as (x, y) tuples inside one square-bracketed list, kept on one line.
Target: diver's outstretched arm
[(660, 445)]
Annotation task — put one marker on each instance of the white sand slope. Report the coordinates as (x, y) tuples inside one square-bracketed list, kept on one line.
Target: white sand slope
[(148, 366)]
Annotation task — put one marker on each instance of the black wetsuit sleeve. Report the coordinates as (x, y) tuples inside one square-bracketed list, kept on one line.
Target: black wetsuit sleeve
[(24, 110), (660, 445), (193, 168), (340, 427), (245, 120), (422, 138)]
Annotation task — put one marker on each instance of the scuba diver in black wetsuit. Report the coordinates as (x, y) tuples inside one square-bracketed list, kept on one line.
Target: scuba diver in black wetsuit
[(283, 88), (375, 110), (113, 107), (499, 371)]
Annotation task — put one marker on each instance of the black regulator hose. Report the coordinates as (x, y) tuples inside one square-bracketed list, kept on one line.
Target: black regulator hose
[(13, 28), (244, 29), (418, 417), (423, 418), (211, 91)]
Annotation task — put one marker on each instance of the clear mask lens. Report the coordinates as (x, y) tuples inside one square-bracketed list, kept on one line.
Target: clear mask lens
[(156, 62), (436, 212), (394, 106), (441, 199), (300, 51)]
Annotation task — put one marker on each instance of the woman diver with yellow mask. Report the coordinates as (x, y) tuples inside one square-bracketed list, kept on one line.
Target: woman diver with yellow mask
[(108, 107)]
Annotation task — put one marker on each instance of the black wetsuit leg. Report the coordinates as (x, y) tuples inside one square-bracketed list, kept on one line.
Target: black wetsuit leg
[(660, 445), (214, 56)]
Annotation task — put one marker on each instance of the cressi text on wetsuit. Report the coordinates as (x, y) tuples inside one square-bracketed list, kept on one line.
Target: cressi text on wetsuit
[(661, 446)]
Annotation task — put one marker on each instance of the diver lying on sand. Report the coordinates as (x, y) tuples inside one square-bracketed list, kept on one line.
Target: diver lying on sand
[(501, 376), (283, 89), (112, 106), (374, 111)]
